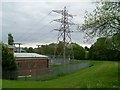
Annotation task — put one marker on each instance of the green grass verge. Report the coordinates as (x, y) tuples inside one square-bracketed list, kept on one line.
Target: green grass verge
[(0, 83), (103, 74)]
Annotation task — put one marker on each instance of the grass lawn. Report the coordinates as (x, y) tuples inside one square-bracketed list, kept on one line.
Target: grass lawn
[(104, 74)]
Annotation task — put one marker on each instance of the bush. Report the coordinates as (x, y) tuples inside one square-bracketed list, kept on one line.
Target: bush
[(9, 67)]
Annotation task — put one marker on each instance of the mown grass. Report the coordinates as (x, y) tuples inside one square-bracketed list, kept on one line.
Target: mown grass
[(0, 83), (103, 74)]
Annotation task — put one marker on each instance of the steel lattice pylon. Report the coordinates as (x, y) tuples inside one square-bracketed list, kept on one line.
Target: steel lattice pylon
[(64, 34)]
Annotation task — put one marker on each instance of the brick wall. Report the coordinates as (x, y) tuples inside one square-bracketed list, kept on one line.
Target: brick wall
[(27, 67)]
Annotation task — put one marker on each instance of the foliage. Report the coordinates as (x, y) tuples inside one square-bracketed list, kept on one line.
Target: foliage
[(79, 52), (52, 49), (104, 21), (115, 41), (57, 49), (86, 52), (86, 48), (8, 63), (10, 39), (48, 49), (0, 51), (29, 50), (0, 56), (101, 50), (104, 74)]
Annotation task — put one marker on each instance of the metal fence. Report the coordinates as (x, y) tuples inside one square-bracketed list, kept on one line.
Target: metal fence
[(52, 72), (46, 73), (59, 61)]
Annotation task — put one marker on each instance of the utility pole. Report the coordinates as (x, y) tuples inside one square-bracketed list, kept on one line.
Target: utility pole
[(64, 30)]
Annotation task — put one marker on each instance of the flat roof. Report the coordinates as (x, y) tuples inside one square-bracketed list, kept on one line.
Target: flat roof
[(11, 46), (29, 55)]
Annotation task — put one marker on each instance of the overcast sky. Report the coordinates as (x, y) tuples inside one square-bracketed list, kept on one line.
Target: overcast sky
[(30, 22)]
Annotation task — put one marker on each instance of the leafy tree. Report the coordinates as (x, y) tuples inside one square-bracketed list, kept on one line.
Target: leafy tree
[(46, 49), (104, 21), (29, 50), (86, 48), (86, 52), (115, 41), (0, 49), (52, 48), (0, 55), (9, 66), (25, 48), (59, 48), (10, 39), (79, 52), (100, 50)]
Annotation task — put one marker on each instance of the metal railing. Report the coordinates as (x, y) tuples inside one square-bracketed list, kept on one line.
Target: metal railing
[(47, 73)]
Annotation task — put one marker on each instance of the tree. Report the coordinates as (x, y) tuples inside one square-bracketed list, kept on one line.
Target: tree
[(115, 41), (29, 50), (0, 56), (86, 48), (9, 66), (79, 52), (100, 50), (75, 49), (10, 39), (104, 21), (86, 52)]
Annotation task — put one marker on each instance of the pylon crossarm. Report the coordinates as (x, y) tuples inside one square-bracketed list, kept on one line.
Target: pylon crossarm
[(58, 11)]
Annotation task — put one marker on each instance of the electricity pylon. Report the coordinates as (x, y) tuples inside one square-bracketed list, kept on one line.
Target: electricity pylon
[(64, 31)]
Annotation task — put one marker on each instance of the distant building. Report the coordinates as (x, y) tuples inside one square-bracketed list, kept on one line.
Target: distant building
[(17, 49), (12, 48), (30, 63)]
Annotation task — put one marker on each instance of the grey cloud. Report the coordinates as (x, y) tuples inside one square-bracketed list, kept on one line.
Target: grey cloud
[(29, 22)]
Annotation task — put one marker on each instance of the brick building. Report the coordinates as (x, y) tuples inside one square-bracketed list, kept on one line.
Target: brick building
[(30, 63)]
